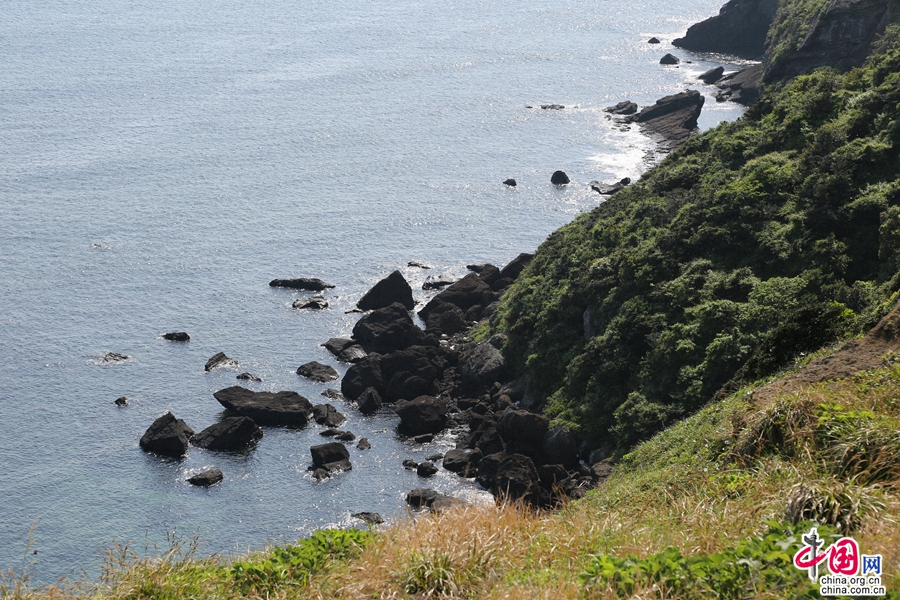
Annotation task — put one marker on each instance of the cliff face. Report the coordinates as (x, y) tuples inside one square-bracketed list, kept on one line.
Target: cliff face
[(740, 28), (839, 37)]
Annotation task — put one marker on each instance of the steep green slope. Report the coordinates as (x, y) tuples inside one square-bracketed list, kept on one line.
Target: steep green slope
[(754, 242)]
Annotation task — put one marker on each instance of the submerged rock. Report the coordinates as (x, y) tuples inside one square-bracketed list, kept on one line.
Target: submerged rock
[(371, 518), (113, 358), (313, 302), (122, 401), (303, 283), (248, 377), (207, 478), (218, 361), (510, 182), (177, 336), (435, 282)]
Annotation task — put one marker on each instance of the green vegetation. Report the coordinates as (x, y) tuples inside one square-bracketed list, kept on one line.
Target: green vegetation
[(789, 28), (754, 243)]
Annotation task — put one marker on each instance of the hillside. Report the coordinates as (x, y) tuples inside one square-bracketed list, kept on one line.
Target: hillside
[(753, 243)]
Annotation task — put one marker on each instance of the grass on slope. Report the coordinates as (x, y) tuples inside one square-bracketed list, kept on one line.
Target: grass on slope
[(711, 507)]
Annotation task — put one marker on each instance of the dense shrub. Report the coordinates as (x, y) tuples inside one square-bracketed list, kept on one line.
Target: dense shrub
[(755, 242)]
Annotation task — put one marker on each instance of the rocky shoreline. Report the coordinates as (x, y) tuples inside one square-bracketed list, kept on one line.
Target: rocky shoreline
[(435, 380)]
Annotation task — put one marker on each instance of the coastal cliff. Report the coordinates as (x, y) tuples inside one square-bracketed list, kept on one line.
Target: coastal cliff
[(740, 28), (752, 244)]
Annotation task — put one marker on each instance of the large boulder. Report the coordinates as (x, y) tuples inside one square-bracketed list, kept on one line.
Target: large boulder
[(412, 372), (303, 283), (332, 456), (559, 178), (740, 28), (424, 414), (428, 498), (481, 365), (516, 266), (463, 461), (672, 117), (435, 282), (446, 318), (388, 329), (363, 375), (486, 469), (345, 350), (464, 294), (712, 75), (328, 415), (285, 408), (669, 59), (523, 426), (560, 447), (369, 401), (391, 289), (742, 87), (231, 434), (517, 479), (167, 436), (317, 372)]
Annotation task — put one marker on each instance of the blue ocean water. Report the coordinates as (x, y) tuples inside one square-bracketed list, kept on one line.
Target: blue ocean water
[(162, 161)]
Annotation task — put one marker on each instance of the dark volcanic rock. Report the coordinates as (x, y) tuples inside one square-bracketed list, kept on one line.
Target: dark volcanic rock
[(426, 469), (313, 302), (363, 444), (510, 182), (517, 478), (410, 465), (122, 401), (446, 318), (421, 415), (463, 461), (673, 117), (742, 87), (415, 263), (207, 478), (167, 436), (231, 434), (606, 189), (219, 360), (464, 294), (310, 285), (653, 40), (428, 498), (332, 456), (369, 401), (669, 59), (559, 178), (317, 372), (552, 106), (266, 408), (177, 336), (391, 289), (487, 468), (515, 266), (522, 425), (371, 518), (712, 76), (841, 37), (248, 377), (481, 365), (387, 329), (348, 351), (626, 107), (326, 414), (559, 447), (345, 436), (740, 28), (489, 274), (331, 432), (436, 282), (332, 394), (363, 375), (113, 357)]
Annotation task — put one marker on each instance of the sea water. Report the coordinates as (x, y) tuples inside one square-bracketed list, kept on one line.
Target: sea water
[(161, 161)]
